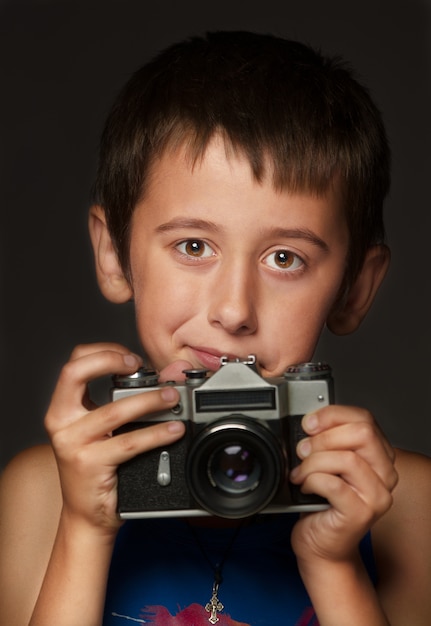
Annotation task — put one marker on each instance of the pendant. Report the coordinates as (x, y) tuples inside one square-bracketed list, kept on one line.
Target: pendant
[(214, 606)]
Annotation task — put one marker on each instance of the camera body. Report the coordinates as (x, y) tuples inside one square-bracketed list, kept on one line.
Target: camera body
[(239, 447)]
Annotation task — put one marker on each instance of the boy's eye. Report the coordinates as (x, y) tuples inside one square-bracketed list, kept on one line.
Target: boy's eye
[(195, 248), (284, 260)]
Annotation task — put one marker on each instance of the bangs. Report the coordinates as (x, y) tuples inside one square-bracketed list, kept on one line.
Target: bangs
[(311, 169)]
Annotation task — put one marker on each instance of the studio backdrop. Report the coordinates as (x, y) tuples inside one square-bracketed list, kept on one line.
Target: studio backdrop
[(63, 62)]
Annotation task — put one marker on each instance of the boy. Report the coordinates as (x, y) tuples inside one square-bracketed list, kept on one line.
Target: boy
[(239, 203)]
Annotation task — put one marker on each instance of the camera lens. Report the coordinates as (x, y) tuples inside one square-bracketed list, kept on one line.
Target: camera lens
[(234, 467)]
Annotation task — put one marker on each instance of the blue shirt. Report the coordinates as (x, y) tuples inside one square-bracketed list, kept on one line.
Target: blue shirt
[(162, 574)]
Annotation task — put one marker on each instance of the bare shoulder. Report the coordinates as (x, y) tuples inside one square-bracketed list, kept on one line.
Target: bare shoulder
[(30, 505), (402, 542), (30, 476), (412, 494), (411, 510), (30, 496)]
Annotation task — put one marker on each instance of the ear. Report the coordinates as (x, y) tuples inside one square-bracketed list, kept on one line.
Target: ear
[(346, 317), (110, 276)]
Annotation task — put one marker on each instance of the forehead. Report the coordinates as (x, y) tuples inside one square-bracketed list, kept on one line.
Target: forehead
[(221, 179)]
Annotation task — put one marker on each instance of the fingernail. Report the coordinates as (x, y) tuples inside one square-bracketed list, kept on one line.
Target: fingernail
[(131, 360), (294, 473), (304, 448), (169, 394), (311, 423), (175, 427)]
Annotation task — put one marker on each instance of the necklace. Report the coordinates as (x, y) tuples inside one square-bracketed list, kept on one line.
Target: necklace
[(214, 605)]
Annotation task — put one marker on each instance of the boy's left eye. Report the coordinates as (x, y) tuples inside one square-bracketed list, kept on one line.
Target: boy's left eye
[(195, 248), (284, 260)]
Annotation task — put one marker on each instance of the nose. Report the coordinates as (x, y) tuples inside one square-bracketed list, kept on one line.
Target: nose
[(233, 297)]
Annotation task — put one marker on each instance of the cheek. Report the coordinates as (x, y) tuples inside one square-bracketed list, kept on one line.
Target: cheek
[(298, 326), (295, 321), (154, 302), (162, 305)]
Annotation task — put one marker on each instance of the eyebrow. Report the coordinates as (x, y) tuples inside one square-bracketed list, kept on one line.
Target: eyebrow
[(278, 233), (187, 222), (299, 233)]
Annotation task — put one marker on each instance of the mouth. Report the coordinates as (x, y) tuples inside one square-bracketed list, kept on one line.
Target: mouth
[(210, 358)]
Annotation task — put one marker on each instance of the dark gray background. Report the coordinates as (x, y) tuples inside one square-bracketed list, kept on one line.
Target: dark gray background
[(61, 65)]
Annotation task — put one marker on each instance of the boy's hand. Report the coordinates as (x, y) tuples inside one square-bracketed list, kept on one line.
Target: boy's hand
[(347, 460), (87, 455)]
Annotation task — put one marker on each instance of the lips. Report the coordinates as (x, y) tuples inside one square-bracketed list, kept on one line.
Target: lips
[(209, 358)]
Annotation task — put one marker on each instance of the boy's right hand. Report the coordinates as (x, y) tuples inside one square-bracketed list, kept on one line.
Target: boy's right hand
[(80, 431)]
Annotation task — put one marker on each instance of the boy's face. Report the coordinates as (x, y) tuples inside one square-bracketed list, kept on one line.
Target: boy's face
[(224, 265)]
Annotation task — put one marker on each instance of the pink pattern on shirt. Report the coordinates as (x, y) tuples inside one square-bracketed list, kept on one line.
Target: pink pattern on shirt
[(196, 615), (308, 618), (193, 615)]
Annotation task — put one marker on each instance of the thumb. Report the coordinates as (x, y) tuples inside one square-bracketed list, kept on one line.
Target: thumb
[(174, 371)]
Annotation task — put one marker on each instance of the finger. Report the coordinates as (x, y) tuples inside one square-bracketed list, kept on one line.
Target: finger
[(112, 451), (129, 409), (360, 437), (101, 422), (123, 447), (86, 349), (340, 477), (335, 415), (69, 397), (175, 371)]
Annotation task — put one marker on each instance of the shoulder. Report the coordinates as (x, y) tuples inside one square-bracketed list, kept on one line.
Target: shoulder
[(33, 468), (402, 539), (30, 489), (412, 493), (411, 508), (30, 505)]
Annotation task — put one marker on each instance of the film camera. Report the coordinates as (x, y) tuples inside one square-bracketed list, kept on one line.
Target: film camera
[(240, 441)]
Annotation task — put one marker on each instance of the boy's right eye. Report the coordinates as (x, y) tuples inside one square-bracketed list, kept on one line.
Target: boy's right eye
[(195, 248)]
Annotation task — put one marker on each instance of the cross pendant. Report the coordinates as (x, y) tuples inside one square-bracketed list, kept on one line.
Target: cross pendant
[(214, 606)]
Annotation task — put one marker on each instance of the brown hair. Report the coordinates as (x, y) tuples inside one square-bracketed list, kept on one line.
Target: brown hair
[(277, 101)]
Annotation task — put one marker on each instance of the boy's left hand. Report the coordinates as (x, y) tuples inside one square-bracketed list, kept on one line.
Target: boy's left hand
[(347, 460)]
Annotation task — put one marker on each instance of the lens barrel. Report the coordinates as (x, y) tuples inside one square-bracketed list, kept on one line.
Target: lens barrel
[(234, 467)]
